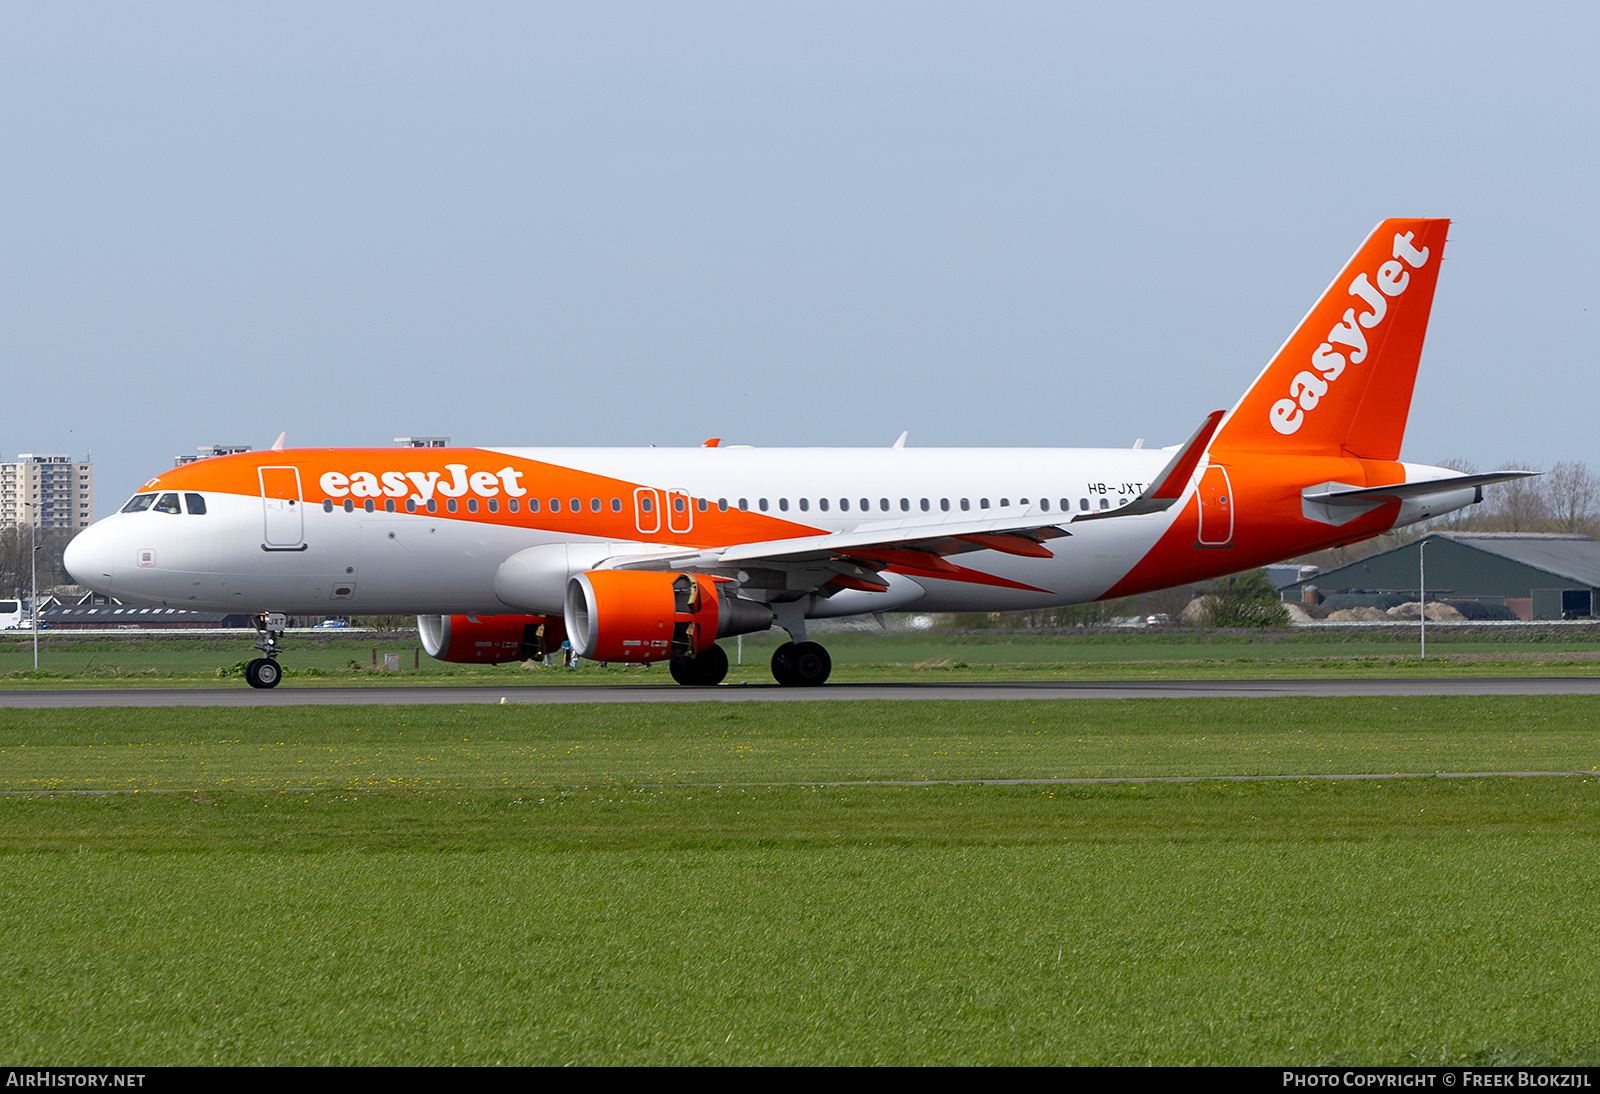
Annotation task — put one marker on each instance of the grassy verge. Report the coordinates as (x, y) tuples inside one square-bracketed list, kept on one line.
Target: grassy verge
[(294, 907), (66, 661), (487, 746)]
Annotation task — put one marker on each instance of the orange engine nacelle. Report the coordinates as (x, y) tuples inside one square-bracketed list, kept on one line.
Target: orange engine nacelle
[(489, 639), (645, 615)]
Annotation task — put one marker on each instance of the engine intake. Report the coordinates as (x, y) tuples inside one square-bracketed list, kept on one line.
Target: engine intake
[(645, 615), (489, 639)]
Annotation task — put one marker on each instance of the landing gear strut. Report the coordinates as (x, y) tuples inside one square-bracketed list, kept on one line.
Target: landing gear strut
[(801, 664), (704, 669), (264, 672)]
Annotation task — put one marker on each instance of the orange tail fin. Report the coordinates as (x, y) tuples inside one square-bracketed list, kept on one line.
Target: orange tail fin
[(1341, 385)]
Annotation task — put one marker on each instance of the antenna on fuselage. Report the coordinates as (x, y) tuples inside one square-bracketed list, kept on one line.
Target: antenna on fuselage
[(277, 445), (900, 442)]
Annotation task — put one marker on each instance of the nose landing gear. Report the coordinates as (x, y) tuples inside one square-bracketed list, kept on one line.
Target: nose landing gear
[(264, 672)]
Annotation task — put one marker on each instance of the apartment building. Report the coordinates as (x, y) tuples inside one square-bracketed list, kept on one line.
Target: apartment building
[(47, 490)]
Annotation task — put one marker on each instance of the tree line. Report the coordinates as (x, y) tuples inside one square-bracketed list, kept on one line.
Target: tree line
[(16, 548)]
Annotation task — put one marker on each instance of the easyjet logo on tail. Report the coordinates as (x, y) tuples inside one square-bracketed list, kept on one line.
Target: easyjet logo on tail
[(1327, 363)]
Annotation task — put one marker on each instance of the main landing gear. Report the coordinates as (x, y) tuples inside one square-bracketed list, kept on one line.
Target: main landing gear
[(794, 665), (264, 672), (705, 669), (801, 664)]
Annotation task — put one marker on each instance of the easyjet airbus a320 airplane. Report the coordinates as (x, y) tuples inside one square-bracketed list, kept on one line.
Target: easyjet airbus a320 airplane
[(640, 555)]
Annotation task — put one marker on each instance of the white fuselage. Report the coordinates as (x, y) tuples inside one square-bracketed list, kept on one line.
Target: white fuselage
[(382, 562)]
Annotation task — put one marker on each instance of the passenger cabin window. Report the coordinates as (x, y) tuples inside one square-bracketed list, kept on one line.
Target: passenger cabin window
[(138, 503), (783, 505), (195, 504), (905, 505), (965, 505), (805, 504), (944, 504), (1044, 503)]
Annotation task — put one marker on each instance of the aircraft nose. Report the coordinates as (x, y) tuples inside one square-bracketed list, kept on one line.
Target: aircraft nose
[(88, 557)]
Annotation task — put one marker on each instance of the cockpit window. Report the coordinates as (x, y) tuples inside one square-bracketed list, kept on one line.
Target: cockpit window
[(195, 504), (168, 503), (138, 503)]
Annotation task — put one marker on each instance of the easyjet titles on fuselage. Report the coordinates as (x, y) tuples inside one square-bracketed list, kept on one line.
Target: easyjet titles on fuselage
[(398, 484)]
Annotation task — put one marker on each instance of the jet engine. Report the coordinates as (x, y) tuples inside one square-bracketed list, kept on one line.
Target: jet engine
[(644, 615), (489, 639)]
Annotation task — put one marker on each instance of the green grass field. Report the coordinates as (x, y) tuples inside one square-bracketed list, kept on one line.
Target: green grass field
[(653, 884), (77, 661)]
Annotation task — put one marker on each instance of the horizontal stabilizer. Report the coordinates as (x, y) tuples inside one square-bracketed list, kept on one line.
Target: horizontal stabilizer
[(1330, 494)]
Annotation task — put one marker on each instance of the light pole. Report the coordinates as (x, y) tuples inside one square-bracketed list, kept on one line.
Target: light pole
[(33, 558), (1422, 581)]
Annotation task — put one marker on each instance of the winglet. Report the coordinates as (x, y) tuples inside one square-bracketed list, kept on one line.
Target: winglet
[(1173, 480), (900, 442), (277, 445)]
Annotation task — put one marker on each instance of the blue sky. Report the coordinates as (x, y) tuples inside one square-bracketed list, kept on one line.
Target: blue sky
[(779, 224)]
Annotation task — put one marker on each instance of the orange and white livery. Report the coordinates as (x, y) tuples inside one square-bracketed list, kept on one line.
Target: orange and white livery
[(654, 554)]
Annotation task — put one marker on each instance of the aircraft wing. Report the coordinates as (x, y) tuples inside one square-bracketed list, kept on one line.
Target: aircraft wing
[(919, 545), (922, 544)]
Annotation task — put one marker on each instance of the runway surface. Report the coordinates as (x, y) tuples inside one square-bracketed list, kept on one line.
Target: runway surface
[(289, 696)]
